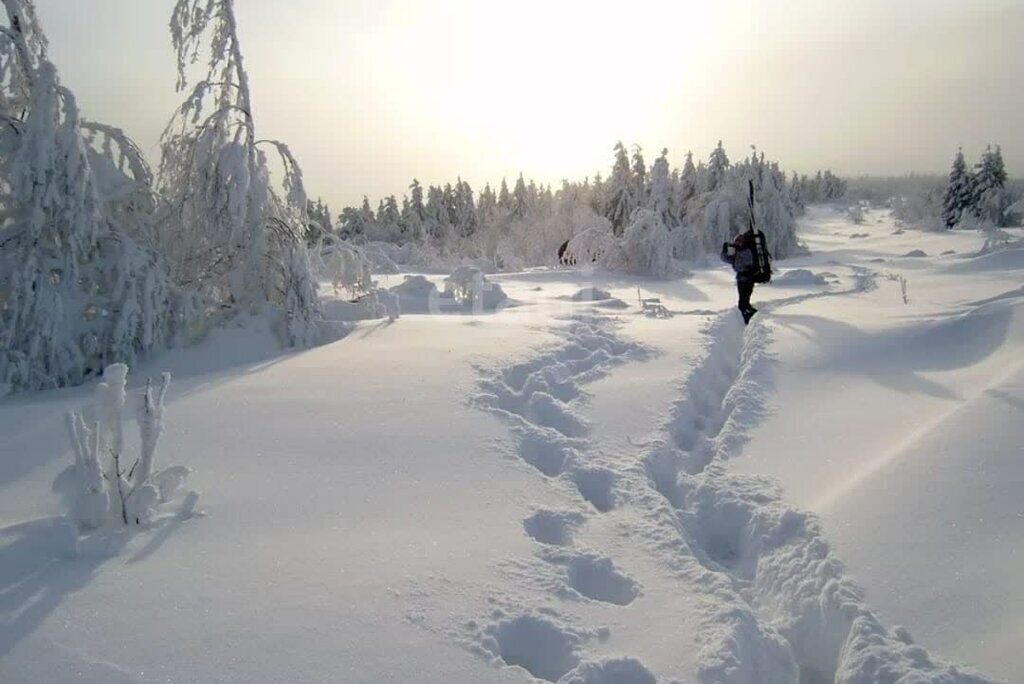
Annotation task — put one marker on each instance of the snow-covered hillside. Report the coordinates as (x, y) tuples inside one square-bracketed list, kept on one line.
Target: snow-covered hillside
[(567, 488)]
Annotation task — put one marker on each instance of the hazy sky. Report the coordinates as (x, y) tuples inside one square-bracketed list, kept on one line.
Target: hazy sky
[(370, 93)]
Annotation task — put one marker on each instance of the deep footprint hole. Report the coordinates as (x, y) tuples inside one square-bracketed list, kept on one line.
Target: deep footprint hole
[(543, 454), (595, 485), (536, 645), (721, 533), (551, 527), (809, 675), (597, 579)]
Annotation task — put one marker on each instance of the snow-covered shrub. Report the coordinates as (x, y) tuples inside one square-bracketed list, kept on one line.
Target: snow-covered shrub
[(855, 213), (227, 230), (468, 286), (345, 266), (416, 294), (78, 289), (592, 240), (902, 281), (646, 246), (106, 490)]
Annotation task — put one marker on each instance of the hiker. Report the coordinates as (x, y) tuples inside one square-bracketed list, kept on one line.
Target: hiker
[(748, 254), (749, 257)]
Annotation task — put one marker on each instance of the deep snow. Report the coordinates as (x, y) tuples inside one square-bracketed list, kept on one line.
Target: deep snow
[(551, 487)]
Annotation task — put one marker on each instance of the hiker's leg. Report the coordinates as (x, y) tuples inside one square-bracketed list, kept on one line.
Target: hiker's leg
[(745, 288)]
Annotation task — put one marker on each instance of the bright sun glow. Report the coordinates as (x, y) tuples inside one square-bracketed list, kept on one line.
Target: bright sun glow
[(546, 83)]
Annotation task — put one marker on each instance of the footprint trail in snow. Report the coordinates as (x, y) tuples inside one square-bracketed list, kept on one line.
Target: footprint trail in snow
[(777, 605)]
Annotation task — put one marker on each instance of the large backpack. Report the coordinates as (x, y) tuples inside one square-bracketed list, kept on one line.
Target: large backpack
[(762, 270)]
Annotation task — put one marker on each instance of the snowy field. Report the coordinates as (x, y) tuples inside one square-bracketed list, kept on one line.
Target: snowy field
[(568, 490)]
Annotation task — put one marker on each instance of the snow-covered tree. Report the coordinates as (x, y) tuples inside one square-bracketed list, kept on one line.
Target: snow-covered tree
[(718, 163), (520, 202), (228, 231), (958, 192), (638, 180), (437, 214), (530, 226), (318, 221), (465, 209), (660, 195), (78, 287), (389, 220), (619, 196), (417, 211), (487, 205), (989, 200), (687, 188), (504, 197)]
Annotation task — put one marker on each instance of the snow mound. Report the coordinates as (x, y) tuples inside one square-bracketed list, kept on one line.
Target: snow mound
[(598, 297), (916, 253), (590, 294), (469, 286), (799, 277), (1008, 259), (416, 294), (612, 303)]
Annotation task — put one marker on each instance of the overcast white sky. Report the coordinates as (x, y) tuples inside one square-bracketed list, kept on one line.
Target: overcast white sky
[(370, 93)]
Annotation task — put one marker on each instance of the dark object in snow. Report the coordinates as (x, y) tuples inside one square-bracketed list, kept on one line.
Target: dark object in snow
[(916, 253)]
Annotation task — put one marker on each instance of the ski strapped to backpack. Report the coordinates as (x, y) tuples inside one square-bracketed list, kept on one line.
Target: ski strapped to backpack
[(762, 266)]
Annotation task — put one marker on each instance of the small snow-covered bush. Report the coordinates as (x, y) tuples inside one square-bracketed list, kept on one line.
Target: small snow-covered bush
[(345, 266), (646, 246), (416, 294), (106, 490), (855, 213), (592, 242), (468, 286)]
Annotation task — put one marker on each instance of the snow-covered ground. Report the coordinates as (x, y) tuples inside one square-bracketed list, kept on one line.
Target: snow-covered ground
[(568, 489)]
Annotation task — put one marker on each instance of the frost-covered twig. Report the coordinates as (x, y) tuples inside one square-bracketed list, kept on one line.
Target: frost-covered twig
[(898, 277)]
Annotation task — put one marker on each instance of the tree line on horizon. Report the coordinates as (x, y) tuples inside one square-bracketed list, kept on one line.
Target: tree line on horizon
[(452, 218)]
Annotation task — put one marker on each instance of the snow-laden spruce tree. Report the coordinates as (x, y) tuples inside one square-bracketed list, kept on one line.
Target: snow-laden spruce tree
[(107, 487), (958, 191), (989, 200), (78, 290), (226, 229), (619, 195), (659, 196)]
